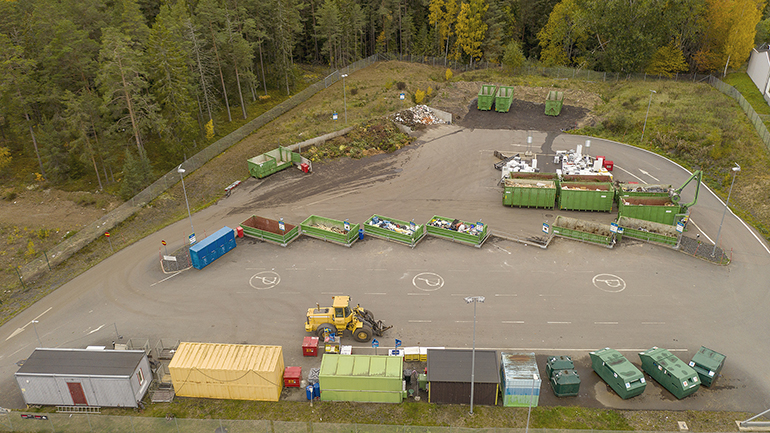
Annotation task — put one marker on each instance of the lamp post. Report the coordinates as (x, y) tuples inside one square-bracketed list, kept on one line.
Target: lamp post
[(181, 175), (735, 169), (475, 300), (531, 397), (344, 98), (648, 113), (34, 325)]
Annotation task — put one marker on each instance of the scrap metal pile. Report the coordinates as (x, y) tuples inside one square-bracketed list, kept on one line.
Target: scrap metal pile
[(417, 115), (330, 228), (458, 226), (398, 228)]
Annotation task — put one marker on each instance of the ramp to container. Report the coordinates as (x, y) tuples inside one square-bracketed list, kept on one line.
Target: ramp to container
[(585, 231)]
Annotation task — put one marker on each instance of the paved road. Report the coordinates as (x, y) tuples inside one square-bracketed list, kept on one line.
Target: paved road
[(567, 299)]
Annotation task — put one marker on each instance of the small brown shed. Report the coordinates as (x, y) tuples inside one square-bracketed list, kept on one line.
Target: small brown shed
[(449, 376)]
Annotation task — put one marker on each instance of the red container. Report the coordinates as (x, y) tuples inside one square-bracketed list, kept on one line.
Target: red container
[(608, 165), (310, 346), (239, 231), (304, 167), (292, 376)]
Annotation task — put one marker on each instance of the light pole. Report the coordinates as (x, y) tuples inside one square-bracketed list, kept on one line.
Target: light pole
[(344, 98), (475, 300), (181, 175), (34, 325), (735, 169), (648, 113), (531, 397)]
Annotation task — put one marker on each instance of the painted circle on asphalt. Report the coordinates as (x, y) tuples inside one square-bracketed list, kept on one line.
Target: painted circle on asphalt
[(265, 280), (428, 281), (609, 283)]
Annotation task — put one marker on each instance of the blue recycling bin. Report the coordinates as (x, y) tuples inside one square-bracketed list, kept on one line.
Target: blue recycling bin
[(316, 390), (309, 392), (360, 234)]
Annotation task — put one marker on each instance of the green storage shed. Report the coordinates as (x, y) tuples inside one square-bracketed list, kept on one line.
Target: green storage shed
[(708, 363), (618, 372), (362, 378), (671, 372)]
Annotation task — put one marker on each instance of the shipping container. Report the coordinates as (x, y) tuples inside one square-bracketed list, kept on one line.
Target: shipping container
[(275, 231), (708, 364), (671, 372), (449, 376), (586, 231), (212, 247), (84, 377), (618, 372), (521, 379), (362, 378), (591, 196), (649, 231), (656, 209), (486, 97), (529, 193), (554, 102), (504, 99), (459, 231), (327, 229), (395, 230), (228, 371), (270, 162)]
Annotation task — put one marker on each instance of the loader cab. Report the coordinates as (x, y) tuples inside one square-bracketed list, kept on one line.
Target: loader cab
[(342, 311)]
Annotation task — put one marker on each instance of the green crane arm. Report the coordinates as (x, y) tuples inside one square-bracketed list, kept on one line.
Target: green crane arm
[(698, 174)]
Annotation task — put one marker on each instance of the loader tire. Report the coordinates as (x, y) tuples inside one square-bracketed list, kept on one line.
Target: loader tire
[(369, 315), (323, 330), (363, 334)]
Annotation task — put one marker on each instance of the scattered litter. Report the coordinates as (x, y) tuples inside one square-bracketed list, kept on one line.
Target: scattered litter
[(398, 228), (458, 226), (417, 115)]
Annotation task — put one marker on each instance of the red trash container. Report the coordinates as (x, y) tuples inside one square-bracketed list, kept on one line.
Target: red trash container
[(310, 346), (305, 168), (239, 230), (292, 376)]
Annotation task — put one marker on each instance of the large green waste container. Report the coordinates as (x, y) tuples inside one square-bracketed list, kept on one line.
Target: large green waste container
[(486, 97), (327, 229), (622, 376), (649, 231), (459, 231), (565, 383), (656, 209), (554, 102), (625, 190), (395, 230), (529, 193), (590, 196), (270, 162), (586, 231), (270, 230), (556, 363), (708, 364), (504, 99), (671, 372)]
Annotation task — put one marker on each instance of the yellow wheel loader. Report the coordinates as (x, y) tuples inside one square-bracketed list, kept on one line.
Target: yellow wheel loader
[(340, 317)]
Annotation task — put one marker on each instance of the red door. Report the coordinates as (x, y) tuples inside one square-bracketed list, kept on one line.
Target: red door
[(77, 394)]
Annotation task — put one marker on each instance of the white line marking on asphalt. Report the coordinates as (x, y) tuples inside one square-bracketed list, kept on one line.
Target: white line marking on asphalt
[(419, 321), (628, 172), (501, 248), (295, 269), (459, 270), (95, 330), (15, 333), (605, 323), (513, 321), (653, 323), (14, 353), (20, 330), (375, 293), (559, 323), (336, 269), (648, 174), (40, 315), (463, 321), (699, 229), (376, 269), (460, 294), (167, 278), (546, 294), (418, 294), (506, 294)]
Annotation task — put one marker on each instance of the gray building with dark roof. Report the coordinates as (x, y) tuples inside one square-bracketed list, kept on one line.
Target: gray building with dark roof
[(84, 377), (449, 376)]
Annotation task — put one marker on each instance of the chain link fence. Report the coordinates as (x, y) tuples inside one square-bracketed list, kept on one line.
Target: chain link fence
[(754, 118)]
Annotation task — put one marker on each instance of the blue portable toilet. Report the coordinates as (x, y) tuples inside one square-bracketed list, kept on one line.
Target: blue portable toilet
[(212, 247)]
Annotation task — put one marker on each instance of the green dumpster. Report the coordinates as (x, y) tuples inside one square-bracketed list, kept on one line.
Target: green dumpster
[(649, 231), (656, 209), (669, 371), (504, 99), (707, 363), (618, 372), (486, 97), (270, 162), (592, 196), (586, 231), (395, 230), (625, 190), (556, 363), (529, 193), (327, 229), (458, 231), (270, 230), (554, 103), (565, 383)]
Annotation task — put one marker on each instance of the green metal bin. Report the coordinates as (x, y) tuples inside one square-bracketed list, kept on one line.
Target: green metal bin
[(394, 230), (587, 196), (504, 99), (625, 190), (529, 193), (327, 229), (649, 231), (554, 102), (565, 383), (656, 209), (486, 97), (618, 372), (270, 162), (586, 231), (671, 372), (270, 230), (556, 363), (458, 231), (708, 364)]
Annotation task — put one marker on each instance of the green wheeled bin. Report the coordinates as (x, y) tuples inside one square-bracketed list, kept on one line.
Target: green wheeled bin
[(554, 103), (486, 97), (504, 99), (618, 372), (708, 364), (562, 376), (671, 372)]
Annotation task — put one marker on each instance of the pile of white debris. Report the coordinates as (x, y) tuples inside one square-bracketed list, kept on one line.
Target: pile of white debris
[(417, 115)]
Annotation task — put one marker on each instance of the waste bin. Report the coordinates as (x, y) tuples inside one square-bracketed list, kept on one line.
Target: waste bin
[(707, 363), (360, 234), (305, 168), (239, 230), (309, 392), (486, 97), (317, 390)]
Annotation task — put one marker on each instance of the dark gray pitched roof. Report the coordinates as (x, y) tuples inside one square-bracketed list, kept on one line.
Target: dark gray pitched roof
[(454, 365), (82, 362)]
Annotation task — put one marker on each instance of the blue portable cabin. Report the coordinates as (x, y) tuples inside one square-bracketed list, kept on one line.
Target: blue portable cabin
[(212, 248)]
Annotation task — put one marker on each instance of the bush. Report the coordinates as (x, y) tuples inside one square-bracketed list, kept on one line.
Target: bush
[(419, 96), (448, 74), (401, 85)]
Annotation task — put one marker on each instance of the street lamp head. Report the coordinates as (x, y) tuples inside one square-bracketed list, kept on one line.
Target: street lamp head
[(471, 299), (180, 170), (737, 168), (35, 321), (653, 91), (344, 75)]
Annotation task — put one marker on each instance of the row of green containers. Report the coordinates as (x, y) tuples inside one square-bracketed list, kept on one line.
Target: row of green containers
[(346, 233), (501, 97), (679, 378)]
